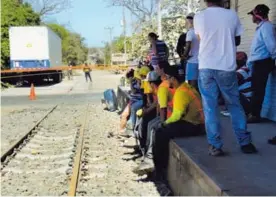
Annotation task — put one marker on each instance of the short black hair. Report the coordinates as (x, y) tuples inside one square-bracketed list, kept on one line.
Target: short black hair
[(153, 35), (130, 74), (173, 71), (219, 2)]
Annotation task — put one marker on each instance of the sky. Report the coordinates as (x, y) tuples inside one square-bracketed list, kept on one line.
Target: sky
[(90, 17)]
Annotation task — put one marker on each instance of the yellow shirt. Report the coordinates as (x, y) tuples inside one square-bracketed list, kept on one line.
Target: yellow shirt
[(146, 86), (163, 94), (86, 69), (186, 105)]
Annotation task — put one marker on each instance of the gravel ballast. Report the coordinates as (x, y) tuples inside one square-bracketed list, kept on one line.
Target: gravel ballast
[(104, 170), (17, 123), (42, 166)]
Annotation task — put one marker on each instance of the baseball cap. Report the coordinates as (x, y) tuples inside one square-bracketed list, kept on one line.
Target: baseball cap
[(190, 16), (152, 76), (137, 74), (260, 11), (144, 70)]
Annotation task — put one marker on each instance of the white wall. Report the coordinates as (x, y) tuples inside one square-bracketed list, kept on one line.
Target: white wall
[(243, 7)]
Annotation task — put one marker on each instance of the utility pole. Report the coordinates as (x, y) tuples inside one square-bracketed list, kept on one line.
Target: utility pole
[(189, 6), (132, 33), (159, 18), (110, 29), (103, 53), (124, 26)]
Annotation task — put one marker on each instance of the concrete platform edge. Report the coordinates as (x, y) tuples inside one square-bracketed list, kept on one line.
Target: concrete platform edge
[(185, 177)]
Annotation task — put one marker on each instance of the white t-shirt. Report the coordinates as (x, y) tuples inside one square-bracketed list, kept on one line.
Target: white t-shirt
[(192, 37), (217, 28)]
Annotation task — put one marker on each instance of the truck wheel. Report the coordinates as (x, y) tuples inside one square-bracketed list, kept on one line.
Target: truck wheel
[(60, 77)]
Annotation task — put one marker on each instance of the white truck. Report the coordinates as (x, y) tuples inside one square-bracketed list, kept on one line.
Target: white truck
[(35, 53)]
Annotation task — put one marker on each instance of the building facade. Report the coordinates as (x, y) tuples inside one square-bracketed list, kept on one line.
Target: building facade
[(242, 7)]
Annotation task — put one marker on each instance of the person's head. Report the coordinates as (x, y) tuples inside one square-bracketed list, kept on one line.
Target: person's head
[(143, 72), (241, 59), (154, 79), (210, 3), (174, 76), (130, 74), (160, 68), (152, 37), (259, 13), (190, 20)]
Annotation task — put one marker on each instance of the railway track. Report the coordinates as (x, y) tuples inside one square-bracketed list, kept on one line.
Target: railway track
[(45, 161), (69, 153)]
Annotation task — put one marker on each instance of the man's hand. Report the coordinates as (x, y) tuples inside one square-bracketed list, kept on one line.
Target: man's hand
[(139, 113), (161, 125)]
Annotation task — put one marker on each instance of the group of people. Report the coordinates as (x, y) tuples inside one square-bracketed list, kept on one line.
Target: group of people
[(163, 106)]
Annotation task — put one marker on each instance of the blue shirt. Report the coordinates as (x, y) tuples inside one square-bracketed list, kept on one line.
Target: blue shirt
[(264, 42)]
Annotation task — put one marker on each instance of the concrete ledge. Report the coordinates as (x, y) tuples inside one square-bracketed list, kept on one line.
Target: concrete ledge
[(122, 97), (192, 171), (186, 178)]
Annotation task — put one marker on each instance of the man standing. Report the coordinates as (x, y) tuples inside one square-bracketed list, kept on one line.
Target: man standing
[(180, 50), (219, 32), (70, 72), (262, 58), (87, 71), (191, 52)]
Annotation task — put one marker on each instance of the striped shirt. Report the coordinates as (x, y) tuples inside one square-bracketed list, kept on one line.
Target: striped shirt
[(161, 55), (244, 81)]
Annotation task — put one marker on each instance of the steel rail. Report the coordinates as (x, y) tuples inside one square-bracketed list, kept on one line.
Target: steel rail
[(77, 161)]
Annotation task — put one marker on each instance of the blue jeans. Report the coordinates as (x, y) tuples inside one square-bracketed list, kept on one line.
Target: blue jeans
[(133, 109), (210, 82)]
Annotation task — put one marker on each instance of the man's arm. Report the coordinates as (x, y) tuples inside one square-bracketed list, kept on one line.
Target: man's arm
[(163, 114), (162, 95), (187, 50), (180, 105), (181, 44), (269, 37), (238, 40), (239, 31), (153, 47), (188, 46)]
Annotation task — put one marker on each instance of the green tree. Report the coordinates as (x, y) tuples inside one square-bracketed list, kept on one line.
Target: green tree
[(73, 45), (14, 13)]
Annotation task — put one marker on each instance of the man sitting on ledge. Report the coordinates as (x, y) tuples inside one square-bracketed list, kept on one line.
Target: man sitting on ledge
[(186, 120)]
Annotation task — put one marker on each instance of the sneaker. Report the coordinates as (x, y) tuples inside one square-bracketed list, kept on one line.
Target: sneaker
[(253, 119), (249, 149), (272, 141), (145, 167), (216, 152), (225, 113), (124, 134)]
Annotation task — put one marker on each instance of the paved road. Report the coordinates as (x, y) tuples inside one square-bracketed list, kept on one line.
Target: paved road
[(76, 91)]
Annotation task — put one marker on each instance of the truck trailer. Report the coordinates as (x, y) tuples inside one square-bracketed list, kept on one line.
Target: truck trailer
[(35, 54)]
